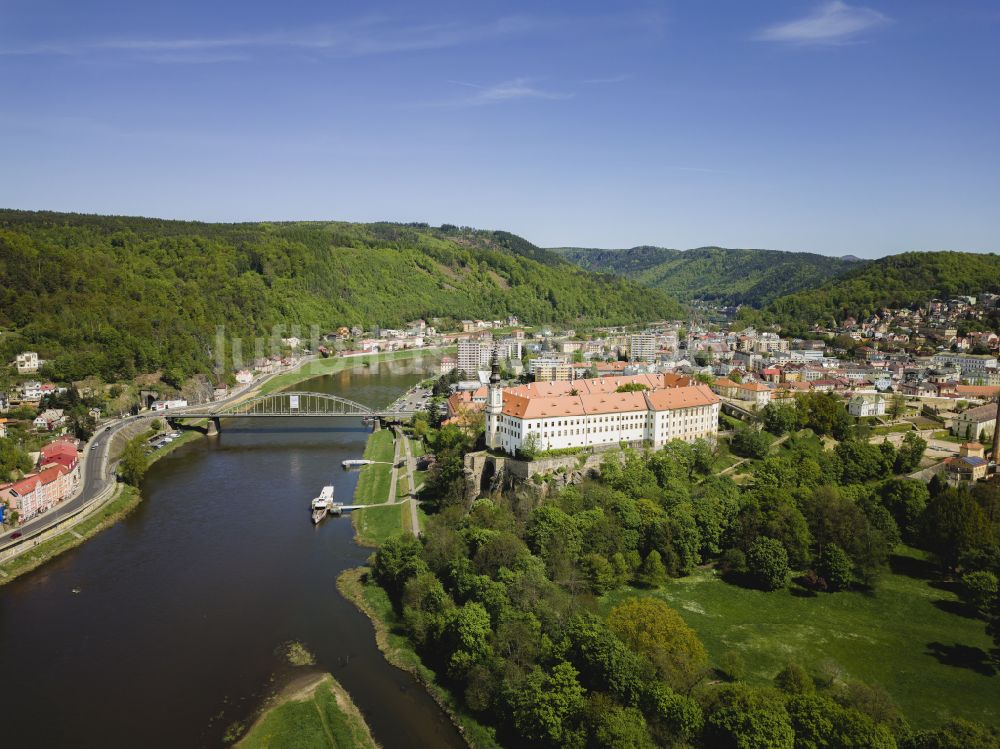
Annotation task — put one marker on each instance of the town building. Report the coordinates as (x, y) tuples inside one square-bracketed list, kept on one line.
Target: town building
[(447, 365), (970, 364), (594, 413), (550, 368), (642, 347), (37, 493), (167, 404), (866, 404), (976, 423), (970, 465), (49, 419), (27, 362), (473, 355)]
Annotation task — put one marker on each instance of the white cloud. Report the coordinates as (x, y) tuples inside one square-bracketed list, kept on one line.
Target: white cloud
[(834, 22), (372, 35), (512, 90)]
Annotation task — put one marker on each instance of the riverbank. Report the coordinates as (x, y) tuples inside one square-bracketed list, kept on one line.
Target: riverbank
[(319, 367), (314, 710), (374, 525), (125, 499), (373, 602)]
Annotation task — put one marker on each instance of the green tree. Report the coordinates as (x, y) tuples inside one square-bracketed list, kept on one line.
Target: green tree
[(780, 419), (954, 526), (957, 733), (652, 573), (767, 563), (835, 567), (133, 464), (794, 680), (979, 589), (546, 707), (615, 727), (655, 631), (905, 499), (743, 717), (750, 443), (672, 716)]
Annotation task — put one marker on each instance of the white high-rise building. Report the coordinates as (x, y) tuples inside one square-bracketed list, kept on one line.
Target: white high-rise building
[(642, 346)]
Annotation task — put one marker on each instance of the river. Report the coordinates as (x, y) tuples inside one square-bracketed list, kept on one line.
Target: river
[(183, 607)]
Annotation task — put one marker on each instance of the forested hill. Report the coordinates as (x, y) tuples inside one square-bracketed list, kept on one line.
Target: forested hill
[(117, 296), (731, 276), (905, 280)]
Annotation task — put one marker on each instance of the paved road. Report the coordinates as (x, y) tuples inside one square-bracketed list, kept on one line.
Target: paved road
[(410, 465)]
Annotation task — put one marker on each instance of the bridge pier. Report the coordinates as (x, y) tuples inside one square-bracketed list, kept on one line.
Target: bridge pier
[(376, 423), (214, 427)]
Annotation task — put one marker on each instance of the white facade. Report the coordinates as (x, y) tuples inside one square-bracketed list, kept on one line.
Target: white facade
[(165, 405), (866, 405), (27, 362), (599, 419), (473, 355), (642, 346)]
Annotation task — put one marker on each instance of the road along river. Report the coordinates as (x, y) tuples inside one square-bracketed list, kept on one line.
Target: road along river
[(168, 627)]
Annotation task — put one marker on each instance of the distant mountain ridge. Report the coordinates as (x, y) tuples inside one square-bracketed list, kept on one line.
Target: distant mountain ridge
[(725, 275), (905, 280), (118, 296)]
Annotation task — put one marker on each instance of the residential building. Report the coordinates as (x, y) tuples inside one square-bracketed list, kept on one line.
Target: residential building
[(38, 492), (866, 404), (642, 347), (970, 364), (244, 377), (49, 419), (3, 428), (27, 362), (550, 368), (447, 365), (592, 413), (976, 423), (473, 355)]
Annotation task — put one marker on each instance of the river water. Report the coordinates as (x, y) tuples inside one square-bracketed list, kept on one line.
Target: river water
[(184, 606)]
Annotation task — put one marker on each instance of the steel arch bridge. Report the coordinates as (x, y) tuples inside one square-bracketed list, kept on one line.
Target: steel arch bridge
[(289, 404)]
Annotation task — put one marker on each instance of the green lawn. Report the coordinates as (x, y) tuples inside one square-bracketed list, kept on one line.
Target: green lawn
[(376, 524), (314, 721), (903, 637), (381, 446), (894, 429), (373, 483), (402, 485), (946, 436)]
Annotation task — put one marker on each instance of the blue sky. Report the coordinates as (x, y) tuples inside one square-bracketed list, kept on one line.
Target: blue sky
[(827, 126)]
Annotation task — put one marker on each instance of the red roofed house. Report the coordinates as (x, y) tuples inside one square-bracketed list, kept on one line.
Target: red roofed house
[(37, 493)]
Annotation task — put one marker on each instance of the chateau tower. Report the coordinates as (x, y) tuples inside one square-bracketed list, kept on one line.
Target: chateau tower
[(494, 405)]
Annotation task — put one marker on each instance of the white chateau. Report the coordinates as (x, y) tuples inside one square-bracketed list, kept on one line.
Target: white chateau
[(584, 413)]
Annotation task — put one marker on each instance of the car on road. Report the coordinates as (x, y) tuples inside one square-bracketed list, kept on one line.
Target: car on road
[(93, 446), (15, 534), (107, 429)]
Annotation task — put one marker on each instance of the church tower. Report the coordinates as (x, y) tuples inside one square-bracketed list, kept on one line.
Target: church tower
[(494, 405)]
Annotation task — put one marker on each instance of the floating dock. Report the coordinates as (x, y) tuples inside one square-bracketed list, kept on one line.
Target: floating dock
[(355, 463)]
